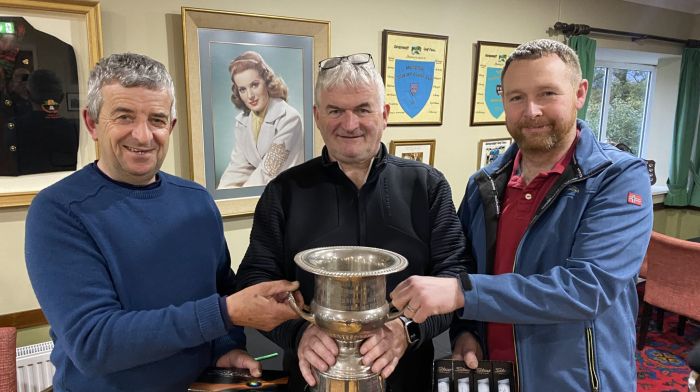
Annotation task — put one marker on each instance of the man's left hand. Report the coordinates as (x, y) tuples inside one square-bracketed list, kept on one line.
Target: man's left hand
[(383, 350), (240, 359)]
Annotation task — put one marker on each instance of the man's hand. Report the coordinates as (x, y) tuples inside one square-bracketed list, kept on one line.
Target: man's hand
[(383, 350), (240, 359), (468, 349), (262, 306), (317, 350), (425, 296)]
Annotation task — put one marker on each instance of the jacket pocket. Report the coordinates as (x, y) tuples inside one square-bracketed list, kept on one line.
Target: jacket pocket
[(590, 356)]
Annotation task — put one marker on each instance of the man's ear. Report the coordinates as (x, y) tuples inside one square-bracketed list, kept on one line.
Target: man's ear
[(385, 113), (581, 92), (91, 124), (172, 125)]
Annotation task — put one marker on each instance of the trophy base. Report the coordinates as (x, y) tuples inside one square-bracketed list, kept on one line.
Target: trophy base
[(348, 374), (373, 383)]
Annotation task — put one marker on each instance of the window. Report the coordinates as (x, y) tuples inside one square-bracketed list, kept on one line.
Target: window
[(619, 102)]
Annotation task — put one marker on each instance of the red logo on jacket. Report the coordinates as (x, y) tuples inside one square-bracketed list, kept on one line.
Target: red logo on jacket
[(633, 198)]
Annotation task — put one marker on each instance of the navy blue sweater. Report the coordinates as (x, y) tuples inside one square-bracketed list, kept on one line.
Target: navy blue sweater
[(130, 280)]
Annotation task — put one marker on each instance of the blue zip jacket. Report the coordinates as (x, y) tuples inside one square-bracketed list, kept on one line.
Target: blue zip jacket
[(572, 294)]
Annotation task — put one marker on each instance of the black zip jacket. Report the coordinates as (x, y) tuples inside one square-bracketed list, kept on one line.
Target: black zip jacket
[(405, 206)]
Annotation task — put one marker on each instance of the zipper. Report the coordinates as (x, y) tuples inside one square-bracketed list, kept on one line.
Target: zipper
[(516, 367), (496, 203), (590, 354)]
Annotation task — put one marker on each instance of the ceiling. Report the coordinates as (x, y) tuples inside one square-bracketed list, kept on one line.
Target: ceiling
[(688, 6)]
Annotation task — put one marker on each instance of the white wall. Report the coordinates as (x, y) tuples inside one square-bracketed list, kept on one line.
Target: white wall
[(154, 28)]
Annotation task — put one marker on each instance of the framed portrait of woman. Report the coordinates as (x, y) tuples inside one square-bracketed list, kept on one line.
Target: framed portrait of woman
[(250, 85)]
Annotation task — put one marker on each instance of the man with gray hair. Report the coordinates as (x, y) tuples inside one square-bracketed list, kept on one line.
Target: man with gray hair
[(559, 225), (356, 194), (130, 264)]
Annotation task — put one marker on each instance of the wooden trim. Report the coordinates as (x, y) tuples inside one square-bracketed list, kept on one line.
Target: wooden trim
[(26, 319), (662, 206)]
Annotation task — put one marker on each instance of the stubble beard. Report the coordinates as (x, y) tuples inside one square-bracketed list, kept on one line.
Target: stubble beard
[(543, 142)]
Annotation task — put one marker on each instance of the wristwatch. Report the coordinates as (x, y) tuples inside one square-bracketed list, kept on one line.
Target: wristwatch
[(412, 330), (464, 281)]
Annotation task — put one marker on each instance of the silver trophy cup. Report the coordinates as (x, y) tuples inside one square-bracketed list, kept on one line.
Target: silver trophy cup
[(349, 304)]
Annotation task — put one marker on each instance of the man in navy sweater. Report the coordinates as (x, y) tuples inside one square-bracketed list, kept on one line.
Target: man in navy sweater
[(130, 264)]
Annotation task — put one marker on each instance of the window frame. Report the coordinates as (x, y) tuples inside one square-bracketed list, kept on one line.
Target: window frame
[(605, 99)]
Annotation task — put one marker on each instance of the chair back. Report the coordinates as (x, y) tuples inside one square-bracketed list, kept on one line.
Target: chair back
[(8, 359), (672, 279)]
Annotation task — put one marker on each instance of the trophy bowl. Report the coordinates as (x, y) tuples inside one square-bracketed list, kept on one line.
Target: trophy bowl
[(349, 304)]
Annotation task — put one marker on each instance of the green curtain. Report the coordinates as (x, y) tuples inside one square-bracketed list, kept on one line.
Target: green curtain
[(585, 49), (684, 131)]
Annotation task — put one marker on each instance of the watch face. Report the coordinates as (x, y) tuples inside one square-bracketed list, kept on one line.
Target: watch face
[(412, 331)]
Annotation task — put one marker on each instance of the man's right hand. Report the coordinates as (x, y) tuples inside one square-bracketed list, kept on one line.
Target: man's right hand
[(467, 349), (262, 306), (316, 349)]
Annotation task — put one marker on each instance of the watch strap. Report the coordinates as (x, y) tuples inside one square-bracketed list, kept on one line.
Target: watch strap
[(464, 281)]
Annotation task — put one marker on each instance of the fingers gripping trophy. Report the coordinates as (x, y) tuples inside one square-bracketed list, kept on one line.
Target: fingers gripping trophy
[(349, 304)]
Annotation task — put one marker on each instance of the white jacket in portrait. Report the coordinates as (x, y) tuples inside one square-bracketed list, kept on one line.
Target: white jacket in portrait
[(280, 146)]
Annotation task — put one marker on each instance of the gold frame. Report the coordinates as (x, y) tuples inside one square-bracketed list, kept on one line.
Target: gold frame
[(389, 57), (195, 18), (90, 11), (483, 143), (430, 143), (486, 50)]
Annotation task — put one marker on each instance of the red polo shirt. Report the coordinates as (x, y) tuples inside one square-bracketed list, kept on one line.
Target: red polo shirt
[(520, 203)]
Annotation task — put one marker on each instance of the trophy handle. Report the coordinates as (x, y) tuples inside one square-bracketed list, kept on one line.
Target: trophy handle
[(304, 313), (394, 315)]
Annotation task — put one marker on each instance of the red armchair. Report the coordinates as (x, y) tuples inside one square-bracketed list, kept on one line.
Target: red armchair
[(8, 359), (672, 281)]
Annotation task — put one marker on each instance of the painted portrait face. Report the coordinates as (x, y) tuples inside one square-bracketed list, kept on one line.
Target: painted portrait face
[(252, 90), (133, 132), (351, 122), (541, 99)]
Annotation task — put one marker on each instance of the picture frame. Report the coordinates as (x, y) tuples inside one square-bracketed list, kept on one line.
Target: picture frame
[(73, 102), (414, 66), (292, 47), (77, 24), (422, 150), (490, 149), (487, 106)]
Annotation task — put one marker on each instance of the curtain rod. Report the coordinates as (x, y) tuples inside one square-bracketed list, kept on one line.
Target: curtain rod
[(570, 29)]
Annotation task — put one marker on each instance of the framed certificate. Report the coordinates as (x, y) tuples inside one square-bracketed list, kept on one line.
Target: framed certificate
[(490, 149), (415, 150), (413, 69), (487, 105)]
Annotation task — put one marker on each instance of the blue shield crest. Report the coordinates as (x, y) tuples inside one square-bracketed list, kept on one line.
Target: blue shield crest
[(492, 93), (413, 81)]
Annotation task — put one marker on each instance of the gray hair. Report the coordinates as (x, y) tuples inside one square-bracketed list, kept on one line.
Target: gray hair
[(544, 47), (129, 70), (349, 75)]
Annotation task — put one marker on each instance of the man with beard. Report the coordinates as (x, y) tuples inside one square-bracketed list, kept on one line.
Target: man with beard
[(558, 225)]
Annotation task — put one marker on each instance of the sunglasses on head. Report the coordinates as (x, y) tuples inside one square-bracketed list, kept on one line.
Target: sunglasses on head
[(354, 59)]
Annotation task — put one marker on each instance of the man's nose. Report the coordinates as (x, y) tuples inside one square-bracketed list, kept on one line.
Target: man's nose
[(350, 120), (532, 109), (142, 132)]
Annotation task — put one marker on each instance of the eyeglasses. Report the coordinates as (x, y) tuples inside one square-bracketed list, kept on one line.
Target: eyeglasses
[(354, 59)]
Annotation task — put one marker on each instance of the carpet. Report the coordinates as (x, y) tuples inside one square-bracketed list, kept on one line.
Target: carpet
[(661, 364)]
